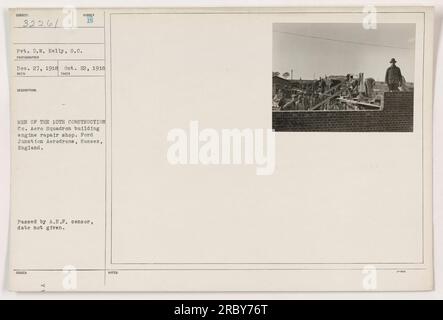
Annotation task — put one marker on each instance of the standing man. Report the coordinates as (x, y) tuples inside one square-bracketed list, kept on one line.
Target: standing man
[(393, 76)]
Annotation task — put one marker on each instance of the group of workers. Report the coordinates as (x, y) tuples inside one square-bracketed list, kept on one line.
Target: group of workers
[(309, 95)]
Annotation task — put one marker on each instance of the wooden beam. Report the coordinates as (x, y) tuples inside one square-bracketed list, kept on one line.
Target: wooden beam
[(360, 103), (318, 105)]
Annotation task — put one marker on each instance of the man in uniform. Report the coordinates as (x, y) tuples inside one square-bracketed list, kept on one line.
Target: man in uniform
[(393, 76)]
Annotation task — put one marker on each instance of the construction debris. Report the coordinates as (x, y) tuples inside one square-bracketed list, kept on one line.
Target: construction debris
[(338, 93)]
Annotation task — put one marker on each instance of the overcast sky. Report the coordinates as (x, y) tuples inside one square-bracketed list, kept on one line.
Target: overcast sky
[(341, 48)]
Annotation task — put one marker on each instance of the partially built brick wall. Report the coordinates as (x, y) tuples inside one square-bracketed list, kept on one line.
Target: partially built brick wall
[(396, 116)]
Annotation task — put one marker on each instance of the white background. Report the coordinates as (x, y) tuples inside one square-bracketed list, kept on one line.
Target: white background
[(4, 153)]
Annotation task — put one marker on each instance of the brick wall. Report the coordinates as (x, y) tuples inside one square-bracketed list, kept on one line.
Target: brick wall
[(397, 115)]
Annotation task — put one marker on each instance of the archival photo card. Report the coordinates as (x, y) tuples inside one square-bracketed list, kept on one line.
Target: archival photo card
[(148, 154)]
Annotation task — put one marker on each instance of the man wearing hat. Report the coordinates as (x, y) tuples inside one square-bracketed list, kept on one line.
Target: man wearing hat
[(393, 76)]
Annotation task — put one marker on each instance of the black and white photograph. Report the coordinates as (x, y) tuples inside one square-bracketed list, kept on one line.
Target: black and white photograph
[(343, 77)]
